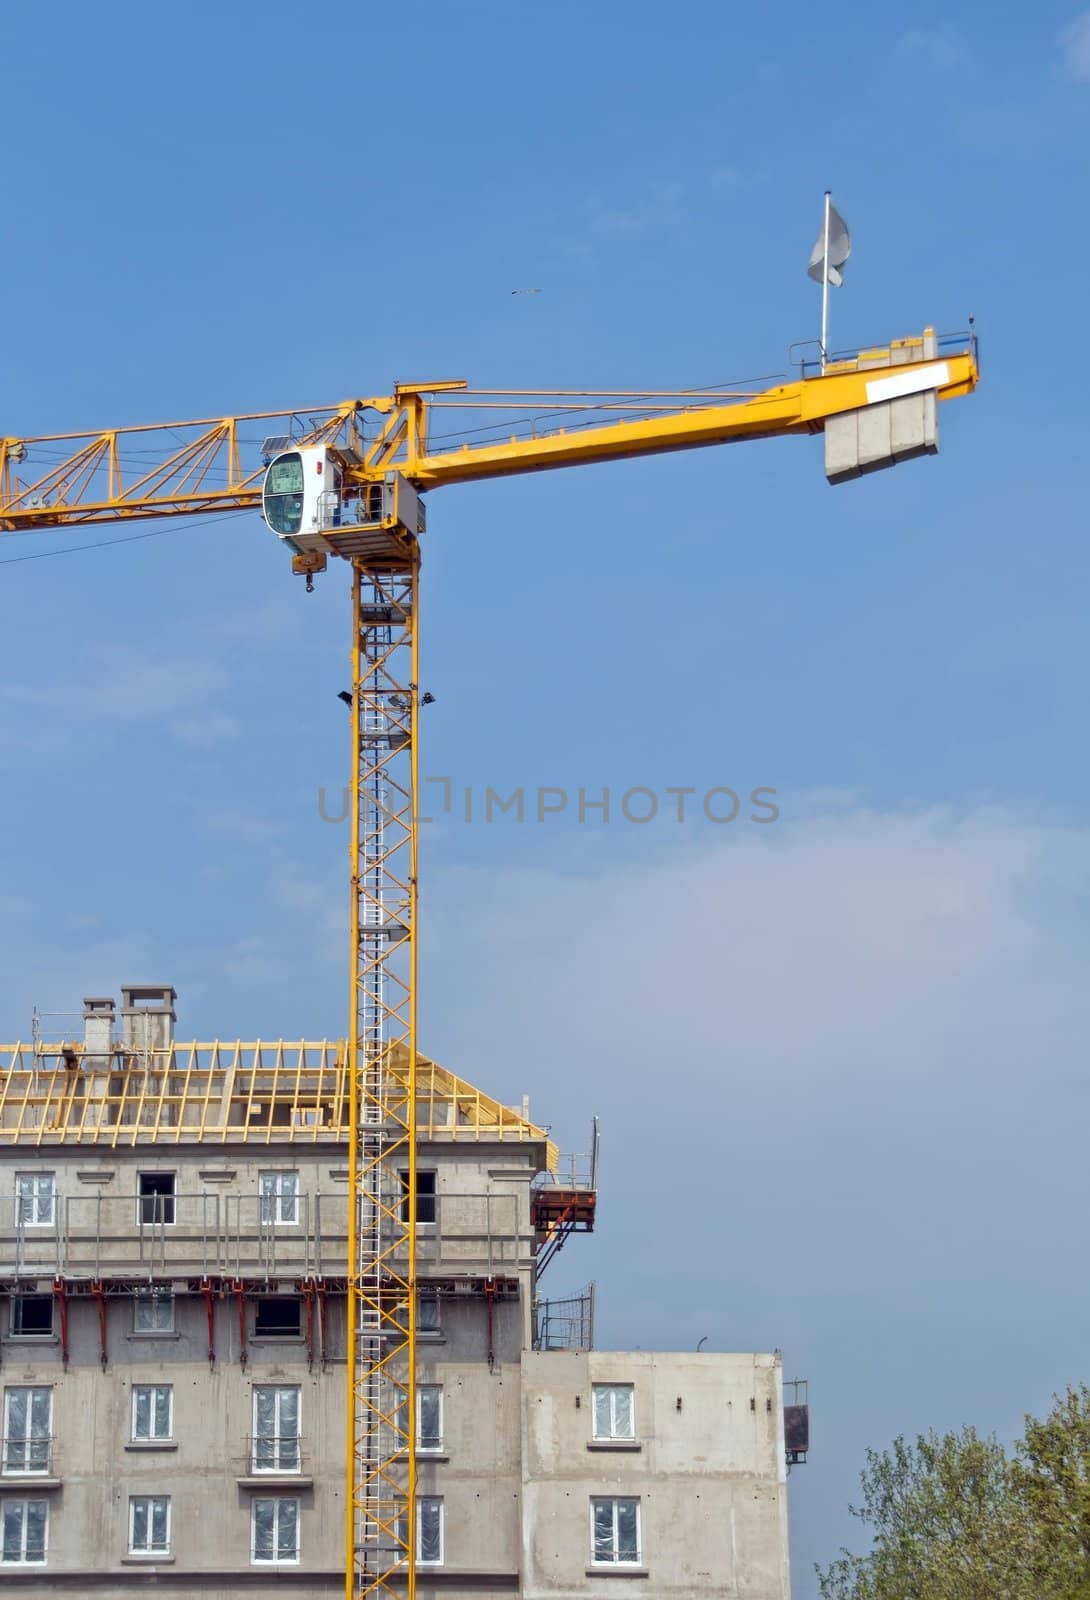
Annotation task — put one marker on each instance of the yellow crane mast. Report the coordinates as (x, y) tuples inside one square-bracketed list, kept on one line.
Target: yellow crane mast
[(348, 481)]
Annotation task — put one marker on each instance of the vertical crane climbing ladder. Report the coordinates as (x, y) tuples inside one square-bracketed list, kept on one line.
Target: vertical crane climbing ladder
[(382, 1135)]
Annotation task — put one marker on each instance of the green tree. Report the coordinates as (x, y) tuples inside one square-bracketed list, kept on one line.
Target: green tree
[(946, 1523), (1051, 1478)]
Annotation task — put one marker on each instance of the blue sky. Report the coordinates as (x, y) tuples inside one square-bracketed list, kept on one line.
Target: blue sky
[(840, 1060)]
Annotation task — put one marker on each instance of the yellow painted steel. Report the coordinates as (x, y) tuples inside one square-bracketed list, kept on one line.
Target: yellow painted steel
[(217, 465), (268, 1091), (786, 409), (380, 1554), (130, 474)]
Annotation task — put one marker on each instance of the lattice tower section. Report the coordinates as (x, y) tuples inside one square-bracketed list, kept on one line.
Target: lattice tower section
[(382, 1133)]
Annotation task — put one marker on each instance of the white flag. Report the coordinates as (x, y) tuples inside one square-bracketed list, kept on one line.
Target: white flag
[(840, 248)]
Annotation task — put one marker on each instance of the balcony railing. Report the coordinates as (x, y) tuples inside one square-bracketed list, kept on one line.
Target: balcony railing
[(209, 1234), (272, 1453), (199, 1234), (474, 1232), (22, 1457)]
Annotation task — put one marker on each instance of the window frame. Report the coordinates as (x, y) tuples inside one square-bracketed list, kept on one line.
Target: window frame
[(21, 1333), (616, 1560), (28, 1440), (423, 1295), (613, 1437), (273, 504), (34, 1200), (277, 1197), (276, 1560), (278, 1334), (150, 1549), (151, 1437), (429, 1198), (423, 1500), (436, 1448), (164, 1221), (153, 1297), (25, 1503), (277, 1438)]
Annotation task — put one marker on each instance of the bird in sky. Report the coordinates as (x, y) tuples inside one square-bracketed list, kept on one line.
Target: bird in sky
[(525, 291)]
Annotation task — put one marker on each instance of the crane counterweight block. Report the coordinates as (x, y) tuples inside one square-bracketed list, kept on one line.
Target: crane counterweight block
[(900, 418)]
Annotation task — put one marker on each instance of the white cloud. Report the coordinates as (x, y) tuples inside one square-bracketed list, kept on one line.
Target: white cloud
[(204, 732), (732, 179), (940, 45), (120, 687), (252, 961), (660, 206), (922, 891), (879, 972), (54, 977), (1075, 45)]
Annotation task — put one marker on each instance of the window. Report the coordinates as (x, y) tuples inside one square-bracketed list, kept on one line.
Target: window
[(425, 1196), (153, 1313), (282, 495), (614, 1411), (35, 1200), (149, 1525), (23, 1525), (429, 1530), (156, 1197), (429, 1416), (615, 1531), (28, 1425), (276, 1427), (31, 1316), (279, 1197), (274, 1532), (278, 1317), (152, 1411), (427, 1312)]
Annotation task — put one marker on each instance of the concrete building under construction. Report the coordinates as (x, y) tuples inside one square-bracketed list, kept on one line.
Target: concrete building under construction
[(173, 1247)]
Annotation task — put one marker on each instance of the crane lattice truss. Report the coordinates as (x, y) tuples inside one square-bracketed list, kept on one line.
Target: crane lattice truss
[(217, 465), (382, 1063)]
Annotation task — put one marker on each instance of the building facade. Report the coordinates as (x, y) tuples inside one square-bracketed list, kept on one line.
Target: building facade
[(173, 1239)]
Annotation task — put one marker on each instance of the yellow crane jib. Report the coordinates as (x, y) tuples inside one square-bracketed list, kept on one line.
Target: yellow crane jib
[(875, 408)]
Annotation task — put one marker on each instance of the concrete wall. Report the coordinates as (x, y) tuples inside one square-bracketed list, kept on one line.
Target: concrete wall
[(483, 1223), (482, 1212), (207, 1467), (203, 1469), (516, 1471), (710, 1475)]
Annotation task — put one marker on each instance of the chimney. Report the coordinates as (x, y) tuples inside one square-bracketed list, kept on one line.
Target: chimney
[(98, 1033), (147, 1016)]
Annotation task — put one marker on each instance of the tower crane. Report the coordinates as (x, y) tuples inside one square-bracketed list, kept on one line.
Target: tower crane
[(348, 482)]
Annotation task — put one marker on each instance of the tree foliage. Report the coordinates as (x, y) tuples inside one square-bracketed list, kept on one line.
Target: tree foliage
[(957, 1517)]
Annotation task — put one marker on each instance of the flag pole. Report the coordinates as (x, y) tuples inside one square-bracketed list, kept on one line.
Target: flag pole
[(825, 288)]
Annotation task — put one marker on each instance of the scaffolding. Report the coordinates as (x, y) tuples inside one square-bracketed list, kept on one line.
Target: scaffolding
[(566, 1323), (565, 1200)]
